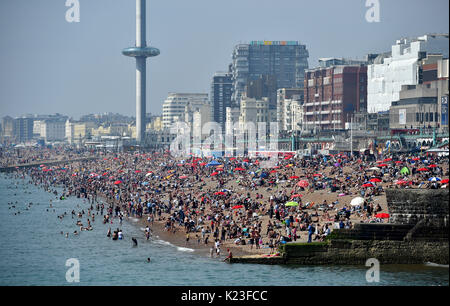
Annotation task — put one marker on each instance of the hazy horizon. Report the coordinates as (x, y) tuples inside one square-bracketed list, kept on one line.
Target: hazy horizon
[(52, 66)]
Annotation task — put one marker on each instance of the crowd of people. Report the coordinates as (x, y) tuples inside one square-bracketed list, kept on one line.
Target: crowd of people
[(234, 202)]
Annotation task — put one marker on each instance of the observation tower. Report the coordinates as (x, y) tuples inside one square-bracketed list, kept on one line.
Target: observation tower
[(140, 52)]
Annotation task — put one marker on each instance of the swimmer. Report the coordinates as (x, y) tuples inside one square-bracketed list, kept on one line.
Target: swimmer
[(134, 241), (148, 259)]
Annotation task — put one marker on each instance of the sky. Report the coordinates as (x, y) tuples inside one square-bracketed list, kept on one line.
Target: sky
[(48, 65)]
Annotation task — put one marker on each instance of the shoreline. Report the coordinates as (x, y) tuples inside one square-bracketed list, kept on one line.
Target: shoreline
[(178, 239)]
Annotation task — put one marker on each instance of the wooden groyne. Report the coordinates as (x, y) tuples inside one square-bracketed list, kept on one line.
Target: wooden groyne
[(46, 163)]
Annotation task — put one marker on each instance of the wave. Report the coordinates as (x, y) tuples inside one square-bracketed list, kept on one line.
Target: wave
[(181, 249), (432, 264)]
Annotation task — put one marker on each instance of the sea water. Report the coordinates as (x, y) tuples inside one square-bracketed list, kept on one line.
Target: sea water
[(34, 252)]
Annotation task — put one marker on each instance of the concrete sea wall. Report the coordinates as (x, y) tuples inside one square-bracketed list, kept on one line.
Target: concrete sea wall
[(418, 234)]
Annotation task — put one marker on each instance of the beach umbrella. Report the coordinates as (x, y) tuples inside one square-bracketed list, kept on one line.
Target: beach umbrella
[(273, 171), (214, 173), (137, 171), (434, 179), (220, 193), (239, 169), (294, 177), (382, 216), (405, 171), (337, 164), (374, 169), (368, 185), (303, 184), (219, 169), (117, 182), (399, 162), (357, 201), (290, 165), (432, 166), (444, 181), (401, 182), (423, 169), (291, 204), (375, 180), (317, 175), (387, 160), (149, 173), (145, 183), (296, 196), (183, 177), (213, 163), (382, 165), (237, 206), (203, 164), (416, 159)]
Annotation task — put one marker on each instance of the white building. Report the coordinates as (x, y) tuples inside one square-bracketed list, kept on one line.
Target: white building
[(175, 105), (69, 131), (290, 115), (402, 67), (53, 130), (232, 116)]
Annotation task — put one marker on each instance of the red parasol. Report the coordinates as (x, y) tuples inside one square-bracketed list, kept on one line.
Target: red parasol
[(237, 206), (375, 180), (382, 216), (214, 173), (294, 177), (423, 169), (239, 169), (303, 184)]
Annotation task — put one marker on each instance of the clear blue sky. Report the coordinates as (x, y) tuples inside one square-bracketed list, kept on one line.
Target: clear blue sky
[(48, 65)]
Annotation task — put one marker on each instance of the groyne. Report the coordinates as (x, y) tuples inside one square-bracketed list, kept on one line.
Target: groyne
[(417, 233), (46, 163)]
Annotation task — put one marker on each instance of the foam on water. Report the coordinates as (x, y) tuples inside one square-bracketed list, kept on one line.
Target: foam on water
[(432, 264), (181, 249)]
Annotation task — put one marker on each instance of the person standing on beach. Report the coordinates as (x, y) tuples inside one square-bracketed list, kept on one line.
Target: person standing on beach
[(311, 231), (187, 238)]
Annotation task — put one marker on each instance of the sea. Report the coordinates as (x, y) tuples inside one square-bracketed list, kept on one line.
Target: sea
[(33, 252)]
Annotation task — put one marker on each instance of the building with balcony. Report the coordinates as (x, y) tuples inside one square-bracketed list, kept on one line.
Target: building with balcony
[(332, 95)]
